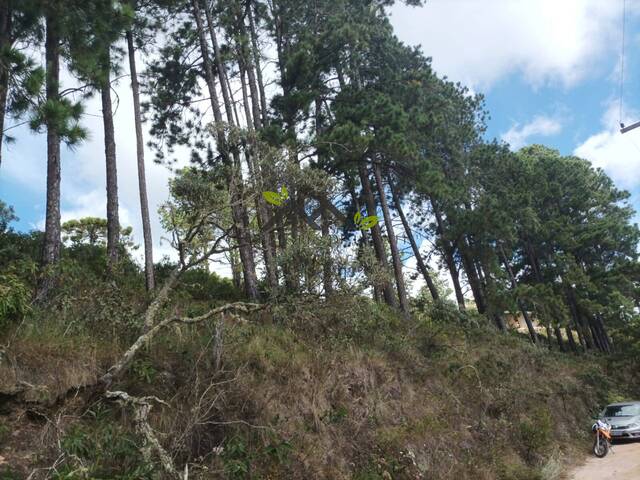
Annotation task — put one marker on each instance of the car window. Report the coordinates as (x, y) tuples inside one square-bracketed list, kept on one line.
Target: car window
[(622, 410)]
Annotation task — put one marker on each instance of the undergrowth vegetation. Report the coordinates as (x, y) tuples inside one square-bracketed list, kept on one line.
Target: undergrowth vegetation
[(343, 388)]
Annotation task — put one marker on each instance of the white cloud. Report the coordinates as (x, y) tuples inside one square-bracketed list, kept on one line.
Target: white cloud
[(480, 42), (616, 153), (83, 187), (517, 136)]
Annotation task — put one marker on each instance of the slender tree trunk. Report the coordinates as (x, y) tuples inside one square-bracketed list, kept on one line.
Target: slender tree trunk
[(603, 332), (455, 279), (113, 220), (535, 263), (327, 265), (366, 243), (414, 246), (378, 244), (393, 243), (236, 273), (256, 59), (224, 87), (282, 246), (51, 247), (486, 282), (597, 334), (571, 340), (448, 253), (294, 194), (558, 334), (514, 287), (262, 210), (246, 254), (583, 334), (472, 277), (142, 182), (5, 44), (594, 333), (237, 207), (581, 340), (549, 335)]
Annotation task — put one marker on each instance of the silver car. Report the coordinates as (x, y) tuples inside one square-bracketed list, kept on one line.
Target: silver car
[(624, 418)]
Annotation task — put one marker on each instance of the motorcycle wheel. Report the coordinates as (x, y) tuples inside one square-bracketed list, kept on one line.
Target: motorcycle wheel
[(600, 448)]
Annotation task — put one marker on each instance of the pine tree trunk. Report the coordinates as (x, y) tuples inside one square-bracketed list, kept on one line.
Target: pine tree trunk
[(583, 334), (236, 273), (414, 246), (598, 338), (393, 244), (558, 334), (113, 220), (262, 210), (472, 278), (514, 287), (581, 340), (142, 182), (378, 244), (51, 247), (256, 60), (327, 264), (245, 248), (455, 279), (282, 246), (5, 44), (236, 188), (365, 243), (594, 334), (603, 332), (549, 335), (572, 342), (448, 253), (237, 206)]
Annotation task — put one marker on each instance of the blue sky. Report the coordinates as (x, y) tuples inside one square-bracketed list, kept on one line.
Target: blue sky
[(549, 71)]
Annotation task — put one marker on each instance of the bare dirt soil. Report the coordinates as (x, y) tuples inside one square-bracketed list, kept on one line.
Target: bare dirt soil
[(622, 463)]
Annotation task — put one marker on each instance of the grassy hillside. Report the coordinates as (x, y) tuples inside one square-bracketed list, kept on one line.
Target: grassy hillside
[(343, 389)]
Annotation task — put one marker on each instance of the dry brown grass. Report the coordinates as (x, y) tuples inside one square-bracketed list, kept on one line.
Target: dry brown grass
[(346, 390)]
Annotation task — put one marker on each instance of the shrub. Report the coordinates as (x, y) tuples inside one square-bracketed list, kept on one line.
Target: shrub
[(105, 449), (536, 434), (14, 298)]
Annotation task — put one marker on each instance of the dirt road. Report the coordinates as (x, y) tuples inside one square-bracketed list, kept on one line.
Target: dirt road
[(622, 463)]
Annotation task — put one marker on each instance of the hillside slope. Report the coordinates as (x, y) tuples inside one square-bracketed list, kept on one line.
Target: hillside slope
[(309, 389)]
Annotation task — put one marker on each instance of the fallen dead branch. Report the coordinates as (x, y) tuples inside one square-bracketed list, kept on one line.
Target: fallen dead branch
[(143, 339), (141, 407)]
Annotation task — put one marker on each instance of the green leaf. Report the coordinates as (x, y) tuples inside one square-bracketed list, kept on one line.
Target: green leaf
[(369, 222), (356, 218), (273, 198), (284, 193)]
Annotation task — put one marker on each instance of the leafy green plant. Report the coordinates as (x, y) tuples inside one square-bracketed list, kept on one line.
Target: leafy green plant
[(279, 451), (104, 450), (535, 433), (144, 370), (4, 432), (365, 223), (7, 473), (77, 442), (336, 415), (276, 198), (236, 458), (14, 297)]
